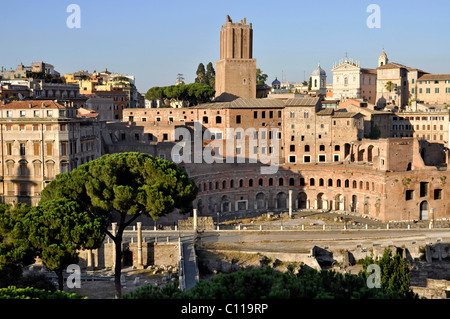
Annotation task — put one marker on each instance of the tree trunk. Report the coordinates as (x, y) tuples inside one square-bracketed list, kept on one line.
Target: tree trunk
[(117, 239), (118, 267), (59, 274)]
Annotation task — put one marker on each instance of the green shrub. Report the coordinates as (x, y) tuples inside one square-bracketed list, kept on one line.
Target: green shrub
[(267, 283), (13, 292)]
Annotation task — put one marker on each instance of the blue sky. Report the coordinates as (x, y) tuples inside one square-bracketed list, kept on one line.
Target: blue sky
[(156, 40)]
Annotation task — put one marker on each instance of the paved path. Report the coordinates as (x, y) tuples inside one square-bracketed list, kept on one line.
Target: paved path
[(190, 264)]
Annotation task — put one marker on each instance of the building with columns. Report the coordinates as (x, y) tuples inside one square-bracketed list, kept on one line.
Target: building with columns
[(351, 81), (40, 139)]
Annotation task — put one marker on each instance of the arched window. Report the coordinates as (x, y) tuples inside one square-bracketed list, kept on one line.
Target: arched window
[(241, 183), (232, 184), (270, 181), (218, 120), (281, 181), (330, 182), (250, 182), (347, 183), (291, 181), (311, 182), (224, 184), (260, 182), (355, 184), (321, 182), (338, 183)]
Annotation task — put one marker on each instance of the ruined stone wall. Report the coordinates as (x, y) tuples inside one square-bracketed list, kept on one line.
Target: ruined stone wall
[(203, 223), (435, 289), (152, 254)]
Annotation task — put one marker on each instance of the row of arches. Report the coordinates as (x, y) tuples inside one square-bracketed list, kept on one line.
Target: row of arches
[(288, 181), (279, 200), (361, 153)]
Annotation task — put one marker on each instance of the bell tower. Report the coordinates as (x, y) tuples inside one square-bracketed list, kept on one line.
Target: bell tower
[(383, 59), (236, 69)]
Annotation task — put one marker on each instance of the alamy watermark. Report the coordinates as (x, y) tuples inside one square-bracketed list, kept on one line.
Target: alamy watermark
[(374, 279), (374, 19), (237, 145), (74, 279), (74, 19)]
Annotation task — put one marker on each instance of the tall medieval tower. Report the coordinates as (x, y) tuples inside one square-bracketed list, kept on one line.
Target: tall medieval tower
[(236, 69)]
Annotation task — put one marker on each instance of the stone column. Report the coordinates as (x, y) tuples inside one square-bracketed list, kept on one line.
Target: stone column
[(113, 232), (290, 203), (140, 264), (195, 219), (89, 259)]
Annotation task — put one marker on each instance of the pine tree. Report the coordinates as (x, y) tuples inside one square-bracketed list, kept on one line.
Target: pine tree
[(201, 74), (126, 186), (210, 76)]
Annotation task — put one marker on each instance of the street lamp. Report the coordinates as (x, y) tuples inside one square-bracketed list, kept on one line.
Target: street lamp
[(218, 215)]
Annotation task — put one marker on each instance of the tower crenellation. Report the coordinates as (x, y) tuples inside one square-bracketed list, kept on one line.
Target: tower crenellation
[(236, 69)]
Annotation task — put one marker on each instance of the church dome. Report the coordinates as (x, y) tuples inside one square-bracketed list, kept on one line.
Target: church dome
[(276, 82), (319, 71)]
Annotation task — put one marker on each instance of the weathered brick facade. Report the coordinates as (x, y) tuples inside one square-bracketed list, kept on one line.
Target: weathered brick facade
[(323, 158)]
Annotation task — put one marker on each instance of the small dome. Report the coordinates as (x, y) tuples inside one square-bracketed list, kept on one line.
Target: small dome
[(276, 82), (319, 71)]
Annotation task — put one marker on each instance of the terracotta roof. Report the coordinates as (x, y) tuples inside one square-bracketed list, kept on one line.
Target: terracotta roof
[(347, 114), (240, 103), (330, 101), (326, 111), (33, 104), (302, 101), (394, 65), (369, 71), (427, 77)]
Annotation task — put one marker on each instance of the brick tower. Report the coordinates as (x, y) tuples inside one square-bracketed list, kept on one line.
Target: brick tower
[(236, 69)]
